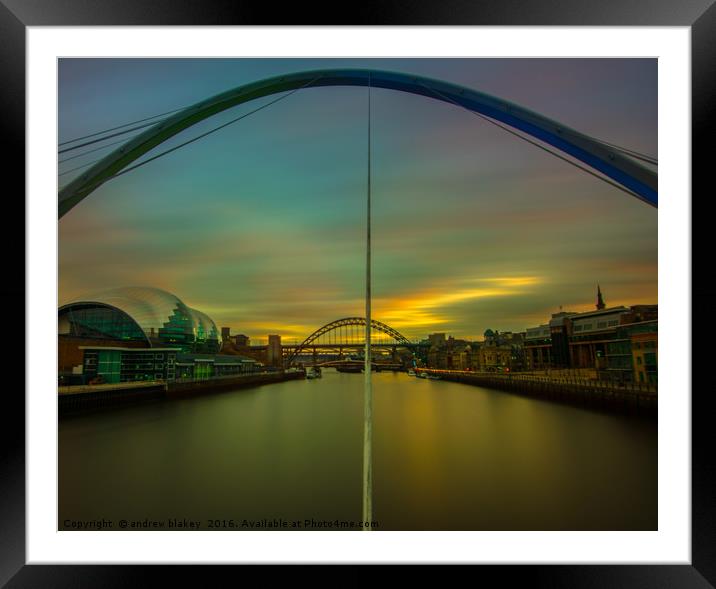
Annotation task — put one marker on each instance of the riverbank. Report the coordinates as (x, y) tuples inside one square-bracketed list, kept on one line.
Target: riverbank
[(78, 399), (630, 399)]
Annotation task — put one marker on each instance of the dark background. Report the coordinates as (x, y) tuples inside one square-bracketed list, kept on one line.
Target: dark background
[(15, 15)]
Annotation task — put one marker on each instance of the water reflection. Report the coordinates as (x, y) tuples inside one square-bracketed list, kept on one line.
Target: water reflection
[(446, 457)]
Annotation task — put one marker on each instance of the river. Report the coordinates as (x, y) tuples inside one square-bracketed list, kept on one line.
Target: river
[(446, 456)]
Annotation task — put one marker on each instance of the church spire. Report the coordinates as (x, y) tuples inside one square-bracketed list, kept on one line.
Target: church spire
[(600, 300)]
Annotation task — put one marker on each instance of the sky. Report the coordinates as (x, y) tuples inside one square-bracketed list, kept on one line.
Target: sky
[(262, 224)]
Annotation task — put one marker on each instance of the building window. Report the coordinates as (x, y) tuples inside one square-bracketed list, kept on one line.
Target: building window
[(157, 377), (638, 360), (650, 359)]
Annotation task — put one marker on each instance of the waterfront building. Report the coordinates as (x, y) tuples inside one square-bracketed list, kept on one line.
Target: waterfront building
[(103, 364), (494, 358), (538, 347), (212, 366), (592, 340), (225, 334), (516, 341), (644, 343), (632, 355), (591, 332), (438, 358), (108, 364), (495, 353), (619, 359), (467, 358), (641, 313), (450, 353), (432, 357), (274, 351), (560, 329), (132, 317)]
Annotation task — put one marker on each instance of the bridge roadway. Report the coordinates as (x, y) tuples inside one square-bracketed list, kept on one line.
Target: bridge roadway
[(338, 353), (357, 346), (289, 349)]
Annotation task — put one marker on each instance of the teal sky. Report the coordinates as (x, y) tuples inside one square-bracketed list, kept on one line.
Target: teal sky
[(262, 224)]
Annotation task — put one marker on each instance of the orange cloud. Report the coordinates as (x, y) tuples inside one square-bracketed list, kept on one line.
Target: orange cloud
[(430, 308)]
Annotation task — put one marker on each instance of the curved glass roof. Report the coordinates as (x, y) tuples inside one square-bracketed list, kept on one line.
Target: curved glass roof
[(153, 310), (204, 326)]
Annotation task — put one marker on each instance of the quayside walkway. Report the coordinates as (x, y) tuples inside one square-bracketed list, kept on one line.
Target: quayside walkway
[(630, 397), (75, 399)]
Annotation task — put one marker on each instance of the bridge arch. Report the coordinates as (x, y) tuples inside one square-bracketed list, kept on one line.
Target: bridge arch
[(594, 153), (347, 321)]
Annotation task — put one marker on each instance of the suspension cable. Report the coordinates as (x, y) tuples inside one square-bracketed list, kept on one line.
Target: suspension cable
[(74, 157), (121, 126), (536, 144), (214, 130), (109, 136), (172, 149), (99, 159), (635, 154)]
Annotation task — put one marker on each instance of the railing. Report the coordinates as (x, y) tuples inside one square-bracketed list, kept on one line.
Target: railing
[(233, 376), (603, 385), (95, 388), (87, 388)]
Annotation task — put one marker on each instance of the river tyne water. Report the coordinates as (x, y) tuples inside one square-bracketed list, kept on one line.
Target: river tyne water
[(446, 456)]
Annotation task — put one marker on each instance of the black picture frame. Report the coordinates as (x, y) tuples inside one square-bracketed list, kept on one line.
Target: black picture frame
[(16, 15)]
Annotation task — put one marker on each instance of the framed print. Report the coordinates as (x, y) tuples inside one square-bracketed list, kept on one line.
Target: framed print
[(148, 289)]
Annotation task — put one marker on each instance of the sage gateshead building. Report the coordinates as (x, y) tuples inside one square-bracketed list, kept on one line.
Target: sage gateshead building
[(143, 315), (133, 317)]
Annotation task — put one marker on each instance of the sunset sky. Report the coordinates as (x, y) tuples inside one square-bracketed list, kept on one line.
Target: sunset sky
[(262, 224)]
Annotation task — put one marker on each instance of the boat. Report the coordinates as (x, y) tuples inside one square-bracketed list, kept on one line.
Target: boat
[(348, 368), (421, 375), (411, 372), (433, 377), (314, 372)]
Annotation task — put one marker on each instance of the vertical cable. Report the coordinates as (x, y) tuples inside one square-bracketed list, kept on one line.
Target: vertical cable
[(368, 389)]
